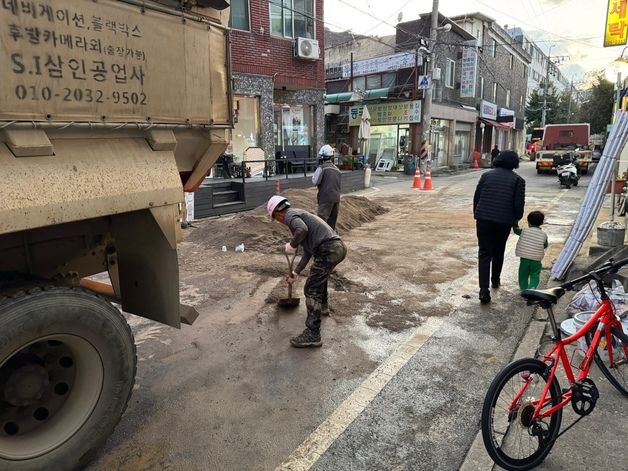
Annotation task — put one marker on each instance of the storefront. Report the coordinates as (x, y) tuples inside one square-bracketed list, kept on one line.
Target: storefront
[(451, 137), (390, 129), (246, 131), (491, 132)]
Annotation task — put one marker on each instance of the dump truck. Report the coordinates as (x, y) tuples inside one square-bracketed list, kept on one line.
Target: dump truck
[(109, 111), (564, 142)]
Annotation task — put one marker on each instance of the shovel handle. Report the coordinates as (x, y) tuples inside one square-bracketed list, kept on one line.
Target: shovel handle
[(290, 264)]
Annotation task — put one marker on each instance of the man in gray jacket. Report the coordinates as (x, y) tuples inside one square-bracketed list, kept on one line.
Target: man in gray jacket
[(320, 242), (327, 178)]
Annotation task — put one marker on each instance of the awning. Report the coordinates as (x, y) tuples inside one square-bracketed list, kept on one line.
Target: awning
[(348, 97), (495, 124)]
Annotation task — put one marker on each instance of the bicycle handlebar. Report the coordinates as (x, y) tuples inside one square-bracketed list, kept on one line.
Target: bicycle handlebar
[(609, 267)]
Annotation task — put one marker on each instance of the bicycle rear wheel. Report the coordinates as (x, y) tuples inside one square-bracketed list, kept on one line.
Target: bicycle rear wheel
[(617, 373), (512, 439)]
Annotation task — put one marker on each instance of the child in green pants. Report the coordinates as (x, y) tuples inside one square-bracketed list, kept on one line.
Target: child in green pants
[(531, 248)]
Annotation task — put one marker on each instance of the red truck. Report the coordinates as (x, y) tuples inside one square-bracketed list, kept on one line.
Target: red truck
[(561, 139)]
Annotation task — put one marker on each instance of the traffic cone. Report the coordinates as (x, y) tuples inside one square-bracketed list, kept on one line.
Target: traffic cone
[(428, 180), (476, 156), (416, 183)]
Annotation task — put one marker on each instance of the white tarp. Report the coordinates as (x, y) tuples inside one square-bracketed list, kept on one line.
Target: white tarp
[(594, 197)]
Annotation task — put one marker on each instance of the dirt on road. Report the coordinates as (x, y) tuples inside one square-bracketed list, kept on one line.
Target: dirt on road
[(388, 278)]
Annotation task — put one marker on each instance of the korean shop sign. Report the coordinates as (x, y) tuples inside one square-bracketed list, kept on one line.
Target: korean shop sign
[(468, 76), (488, 110), (615, 31), (83, 60), (389, 63), (388, 113)]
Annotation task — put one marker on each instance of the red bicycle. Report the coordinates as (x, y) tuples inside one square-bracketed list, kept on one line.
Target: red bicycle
[(523, 407)]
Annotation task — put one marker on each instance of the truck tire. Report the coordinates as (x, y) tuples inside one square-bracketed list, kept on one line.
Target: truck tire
[(67, 368)]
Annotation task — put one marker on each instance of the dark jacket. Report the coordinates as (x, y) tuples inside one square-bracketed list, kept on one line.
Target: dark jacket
[(499, 197), (328, 179), (494, 153)]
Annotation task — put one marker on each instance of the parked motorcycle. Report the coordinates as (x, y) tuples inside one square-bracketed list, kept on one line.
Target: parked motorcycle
[(567, 172)]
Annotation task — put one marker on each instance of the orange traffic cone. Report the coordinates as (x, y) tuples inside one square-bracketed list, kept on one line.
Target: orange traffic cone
[(416, 183), (428, 180), (476, 156)]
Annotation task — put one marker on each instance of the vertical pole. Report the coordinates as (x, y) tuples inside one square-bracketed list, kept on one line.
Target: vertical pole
[(547, 69), (614, 172), (351, 73), (569, 104), (414, 127), (427, 102)]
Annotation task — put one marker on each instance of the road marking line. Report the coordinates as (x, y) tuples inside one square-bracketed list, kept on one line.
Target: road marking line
[(319, 441), (314, 446)]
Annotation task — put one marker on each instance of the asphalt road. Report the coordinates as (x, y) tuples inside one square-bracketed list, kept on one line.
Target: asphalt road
[(230, 394)]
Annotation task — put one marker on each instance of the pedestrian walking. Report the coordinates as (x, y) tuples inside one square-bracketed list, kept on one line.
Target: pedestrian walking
[(425, 157), (494, 153), (327, 178), (319, 241), (530, 249), (498, 204)]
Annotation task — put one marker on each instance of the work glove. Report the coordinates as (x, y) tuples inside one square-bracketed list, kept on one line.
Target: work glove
[(290, 250), (292, 278)]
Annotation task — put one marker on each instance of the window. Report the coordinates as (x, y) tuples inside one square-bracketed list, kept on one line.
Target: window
[(481, 87), (373, 82), (494, 48), (524, 71), (507, 98), (450, 73), (521, 103), (494, 92), (292, 18), (359, 83), (239, 15), (512, 61)]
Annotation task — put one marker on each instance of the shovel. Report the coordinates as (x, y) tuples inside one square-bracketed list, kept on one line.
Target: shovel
[(289, 301)]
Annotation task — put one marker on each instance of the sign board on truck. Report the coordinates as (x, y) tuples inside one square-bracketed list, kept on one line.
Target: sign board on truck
[(109, 61)]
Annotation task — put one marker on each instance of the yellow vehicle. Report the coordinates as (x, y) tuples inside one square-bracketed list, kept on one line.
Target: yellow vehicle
[(108, 111)]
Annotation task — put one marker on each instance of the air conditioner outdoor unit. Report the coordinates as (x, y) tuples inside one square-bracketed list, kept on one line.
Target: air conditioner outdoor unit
[(306, 48)]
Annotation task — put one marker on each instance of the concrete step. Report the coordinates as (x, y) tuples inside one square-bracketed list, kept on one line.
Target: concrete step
[(230, 203)]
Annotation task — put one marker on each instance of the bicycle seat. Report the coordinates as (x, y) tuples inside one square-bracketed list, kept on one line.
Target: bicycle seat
[(543, 297)]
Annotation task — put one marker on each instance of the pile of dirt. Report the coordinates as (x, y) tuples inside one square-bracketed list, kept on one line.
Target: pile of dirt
[(258, 232)]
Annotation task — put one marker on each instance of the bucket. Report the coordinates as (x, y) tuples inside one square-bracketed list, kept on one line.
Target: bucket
[(611, 234), (580, 319)]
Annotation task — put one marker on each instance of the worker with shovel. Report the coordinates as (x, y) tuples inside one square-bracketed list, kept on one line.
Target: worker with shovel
[(319, 241)]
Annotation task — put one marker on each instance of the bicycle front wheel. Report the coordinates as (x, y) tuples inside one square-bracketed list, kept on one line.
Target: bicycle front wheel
[(513, 439), (617, 372)]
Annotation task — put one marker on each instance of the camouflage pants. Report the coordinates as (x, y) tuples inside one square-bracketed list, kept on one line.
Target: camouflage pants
[(327, 256)]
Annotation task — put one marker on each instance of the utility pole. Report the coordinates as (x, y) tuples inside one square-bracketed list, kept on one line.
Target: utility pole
[(427, 102), (569, 105), (547, 69)]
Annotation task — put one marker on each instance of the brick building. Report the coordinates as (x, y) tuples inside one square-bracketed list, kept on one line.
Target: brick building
[(278, 77)]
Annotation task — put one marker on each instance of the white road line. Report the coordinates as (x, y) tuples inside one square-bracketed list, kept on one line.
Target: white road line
[(309, 452), (319, 441)]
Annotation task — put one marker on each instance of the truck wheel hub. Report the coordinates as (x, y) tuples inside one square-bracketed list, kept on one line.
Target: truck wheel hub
[(26, 385)]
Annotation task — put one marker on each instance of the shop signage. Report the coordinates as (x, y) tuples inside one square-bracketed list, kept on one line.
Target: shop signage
[(468, 75), (615, 31), (390, 63), (488, 110), (402, 112)]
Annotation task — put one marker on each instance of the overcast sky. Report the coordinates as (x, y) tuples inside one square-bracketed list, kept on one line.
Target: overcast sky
[(574, 27)]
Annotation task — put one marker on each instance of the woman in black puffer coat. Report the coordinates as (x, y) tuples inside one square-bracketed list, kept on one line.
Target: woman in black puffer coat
[(497, 206)]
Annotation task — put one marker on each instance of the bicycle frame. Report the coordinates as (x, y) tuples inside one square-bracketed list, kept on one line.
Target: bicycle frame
[(605, 318)]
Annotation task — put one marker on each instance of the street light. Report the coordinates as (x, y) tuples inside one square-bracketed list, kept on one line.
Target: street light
[(615, 72)]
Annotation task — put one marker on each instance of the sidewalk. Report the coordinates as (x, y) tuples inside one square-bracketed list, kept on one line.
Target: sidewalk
[(598, 441)]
